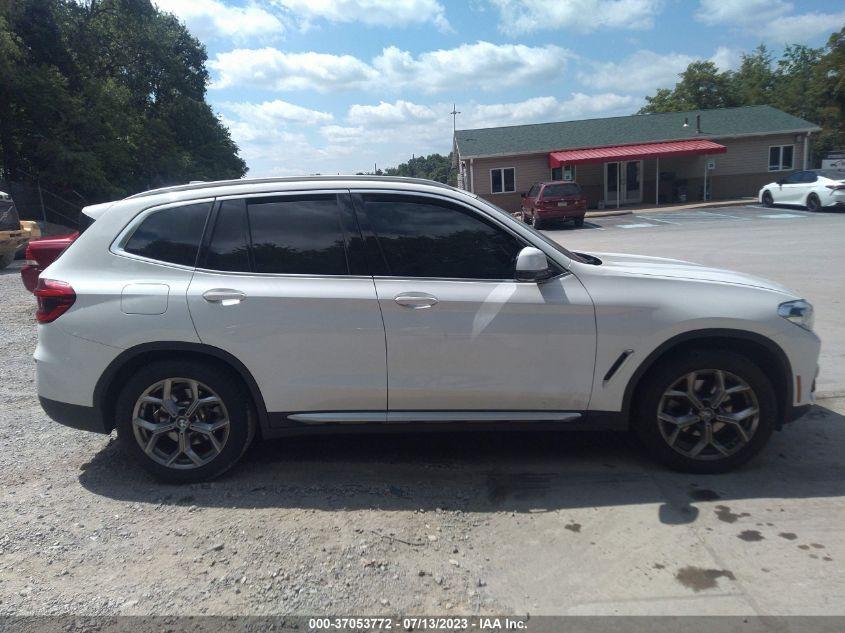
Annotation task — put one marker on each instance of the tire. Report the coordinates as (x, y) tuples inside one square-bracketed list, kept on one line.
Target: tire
[(653, 398), (232, 440), (537, 223), (579, 222), (6, 259), (768, 201), (813, 203)]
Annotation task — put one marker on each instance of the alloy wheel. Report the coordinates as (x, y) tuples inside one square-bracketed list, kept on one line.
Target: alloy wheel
[(180, 423), (708, 414)]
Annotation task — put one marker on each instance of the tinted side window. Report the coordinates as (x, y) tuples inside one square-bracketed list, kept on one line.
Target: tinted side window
[(797, 177), (171, 235), (297, 236), (426, 239), (229, 245)]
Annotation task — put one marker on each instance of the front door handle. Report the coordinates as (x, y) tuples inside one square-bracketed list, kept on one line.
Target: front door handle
[(224, 296), (416, 300)]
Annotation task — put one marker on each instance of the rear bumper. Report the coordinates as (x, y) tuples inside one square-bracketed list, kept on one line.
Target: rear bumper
[(557, 214), (74, 415)]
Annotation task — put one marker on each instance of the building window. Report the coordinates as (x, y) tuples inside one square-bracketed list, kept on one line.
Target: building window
[(565, 172), (502, 180), (780, 157)]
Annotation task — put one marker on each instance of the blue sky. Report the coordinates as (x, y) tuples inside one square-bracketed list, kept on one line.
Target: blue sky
[(313, 86)]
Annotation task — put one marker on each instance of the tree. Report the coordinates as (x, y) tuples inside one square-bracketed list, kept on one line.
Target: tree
[(754, 82), (702, 86), (827, 90), (433, 167), (106, 97)]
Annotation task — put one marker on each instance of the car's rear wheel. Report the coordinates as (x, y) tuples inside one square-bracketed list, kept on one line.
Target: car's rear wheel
[(768, 201), (183, 421), (707, 412), (536, 221), (579, 222), (813, 202)]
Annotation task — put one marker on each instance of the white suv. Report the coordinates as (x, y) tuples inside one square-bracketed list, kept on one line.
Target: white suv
[(195, 317)]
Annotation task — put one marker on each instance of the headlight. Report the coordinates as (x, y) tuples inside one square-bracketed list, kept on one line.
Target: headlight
[(800, 312)]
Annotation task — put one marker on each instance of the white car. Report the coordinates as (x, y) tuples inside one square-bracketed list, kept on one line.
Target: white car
[(813, 189), (193, 318)]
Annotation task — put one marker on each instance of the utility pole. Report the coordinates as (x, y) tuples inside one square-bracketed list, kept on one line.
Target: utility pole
[(454, 114)]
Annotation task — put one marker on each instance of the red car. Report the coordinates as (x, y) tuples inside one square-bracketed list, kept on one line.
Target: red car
[(556, 200), (40, 254)]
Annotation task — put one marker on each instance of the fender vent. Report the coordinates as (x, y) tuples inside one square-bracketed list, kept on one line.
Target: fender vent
[(616, 365)]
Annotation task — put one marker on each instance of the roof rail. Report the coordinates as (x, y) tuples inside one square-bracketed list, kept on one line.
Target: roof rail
[(260, 181)]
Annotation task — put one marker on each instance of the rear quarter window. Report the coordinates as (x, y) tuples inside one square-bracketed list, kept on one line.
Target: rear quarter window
[(170, 235)]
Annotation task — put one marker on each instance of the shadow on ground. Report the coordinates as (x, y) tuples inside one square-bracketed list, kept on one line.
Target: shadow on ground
[(487, 472)]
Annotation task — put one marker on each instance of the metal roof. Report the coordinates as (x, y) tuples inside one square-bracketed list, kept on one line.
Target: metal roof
[(644, 151), (627, 130)]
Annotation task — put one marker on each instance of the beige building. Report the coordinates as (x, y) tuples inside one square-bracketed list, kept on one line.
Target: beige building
[(639, 159)]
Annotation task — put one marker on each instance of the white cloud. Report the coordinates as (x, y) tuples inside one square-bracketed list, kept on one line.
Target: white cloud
[(802, 28), (644, 71), (770, 20), (390, 13), (277, 112), (208, 19), (387, 133), (528, 16), (740, 12), (390, 114), (481, 65), (270, 68)]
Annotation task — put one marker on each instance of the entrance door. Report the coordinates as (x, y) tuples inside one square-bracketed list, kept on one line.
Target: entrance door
[(632, 182), (625, 176), (611, 183)]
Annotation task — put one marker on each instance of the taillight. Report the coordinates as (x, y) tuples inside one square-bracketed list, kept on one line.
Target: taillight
[(835, 187), (54, 299)]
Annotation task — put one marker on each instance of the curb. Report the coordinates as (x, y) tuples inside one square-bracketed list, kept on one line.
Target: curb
[(674, 208)]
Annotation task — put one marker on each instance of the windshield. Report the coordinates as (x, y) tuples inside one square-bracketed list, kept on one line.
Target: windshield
[(557, 191), (552, 243)]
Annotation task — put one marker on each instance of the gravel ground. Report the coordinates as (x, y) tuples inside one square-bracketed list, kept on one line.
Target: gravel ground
[(435, 523)]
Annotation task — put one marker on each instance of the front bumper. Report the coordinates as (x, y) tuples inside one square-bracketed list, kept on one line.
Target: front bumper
[(74, 415)]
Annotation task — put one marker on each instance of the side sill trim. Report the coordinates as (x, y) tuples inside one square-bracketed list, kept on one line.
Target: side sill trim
[(361, 417)]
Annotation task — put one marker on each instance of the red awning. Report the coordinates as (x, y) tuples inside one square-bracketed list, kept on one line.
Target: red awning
[(635, 152)]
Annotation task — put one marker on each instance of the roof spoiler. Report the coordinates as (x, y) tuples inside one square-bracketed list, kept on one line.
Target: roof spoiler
[(94, 211)]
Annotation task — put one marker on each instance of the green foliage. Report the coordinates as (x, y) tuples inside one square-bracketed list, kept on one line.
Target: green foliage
[(433, 167), (806, 82), (106, 97)]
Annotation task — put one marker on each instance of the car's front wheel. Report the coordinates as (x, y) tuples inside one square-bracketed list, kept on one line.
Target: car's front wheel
[(707, 412), (184, 421), (768, 201)]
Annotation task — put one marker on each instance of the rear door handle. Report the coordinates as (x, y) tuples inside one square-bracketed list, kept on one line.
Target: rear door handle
[(224, 296), (416, 300)]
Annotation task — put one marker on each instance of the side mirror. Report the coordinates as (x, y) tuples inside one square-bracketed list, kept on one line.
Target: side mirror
[(532, 265), (781, 181)]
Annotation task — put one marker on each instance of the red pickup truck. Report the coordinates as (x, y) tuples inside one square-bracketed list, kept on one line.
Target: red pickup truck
[(40, 254)]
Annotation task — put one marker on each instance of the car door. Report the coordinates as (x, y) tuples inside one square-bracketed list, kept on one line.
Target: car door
[(791, 189), (462, 334), (282, 285)]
